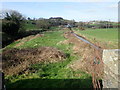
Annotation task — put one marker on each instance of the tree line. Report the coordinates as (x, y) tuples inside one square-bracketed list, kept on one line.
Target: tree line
[(13, 24)]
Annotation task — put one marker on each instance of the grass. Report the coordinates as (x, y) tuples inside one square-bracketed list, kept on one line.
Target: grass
[(30, 26), (49, 39), (108, 36), (53, 75)]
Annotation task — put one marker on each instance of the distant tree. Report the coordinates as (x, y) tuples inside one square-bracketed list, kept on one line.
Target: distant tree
[(29, 18), (43, 24), (12, 22), (56, 21), (79, 24), (71, 22)]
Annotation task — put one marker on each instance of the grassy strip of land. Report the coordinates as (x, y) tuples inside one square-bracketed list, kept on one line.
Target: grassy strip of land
[(52, 75), (30, 26)]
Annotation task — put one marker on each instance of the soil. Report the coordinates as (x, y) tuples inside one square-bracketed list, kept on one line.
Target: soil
[(17, 60), (87, 56)]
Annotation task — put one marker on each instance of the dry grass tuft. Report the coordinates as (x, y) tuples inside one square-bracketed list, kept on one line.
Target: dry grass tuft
[(90, 61)]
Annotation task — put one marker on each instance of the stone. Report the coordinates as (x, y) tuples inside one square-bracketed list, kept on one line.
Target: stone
[(111, 68)]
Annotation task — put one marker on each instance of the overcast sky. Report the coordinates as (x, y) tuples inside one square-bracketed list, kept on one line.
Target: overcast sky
[(79, 11)]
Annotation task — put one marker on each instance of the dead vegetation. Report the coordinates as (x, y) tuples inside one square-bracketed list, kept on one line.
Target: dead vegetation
[(16, 61), (90, 60)]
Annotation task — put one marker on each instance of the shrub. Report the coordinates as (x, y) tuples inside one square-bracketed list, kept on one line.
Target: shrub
[(13, 22), (43, 24)]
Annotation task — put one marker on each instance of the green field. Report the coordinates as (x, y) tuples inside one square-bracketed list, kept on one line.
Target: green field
[(58, 75), (54, 75), (30, 26), (105, 36)]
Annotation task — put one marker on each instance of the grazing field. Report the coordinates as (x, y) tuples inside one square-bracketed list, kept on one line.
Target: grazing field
[(30, 26), (107, 37), (48, 75)]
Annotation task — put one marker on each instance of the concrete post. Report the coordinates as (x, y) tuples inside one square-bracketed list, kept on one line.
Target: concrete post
[(111, 78)]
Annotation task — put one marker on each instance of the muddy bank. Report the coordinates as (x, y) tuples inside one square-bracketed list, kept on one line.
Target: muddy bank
[(90, 58)]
